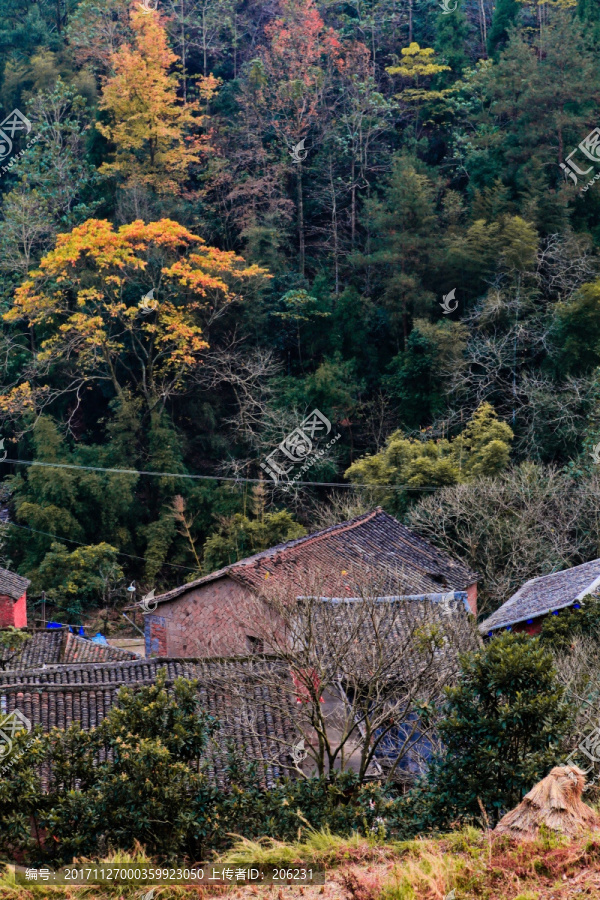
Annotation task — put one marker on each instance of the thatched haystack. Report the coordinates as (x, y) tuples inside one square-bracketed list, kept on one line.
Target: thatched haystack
[(556, 803)]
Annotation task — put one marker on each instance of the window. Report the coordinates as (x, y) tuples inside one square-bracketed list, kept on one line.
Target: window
[(254, 644)]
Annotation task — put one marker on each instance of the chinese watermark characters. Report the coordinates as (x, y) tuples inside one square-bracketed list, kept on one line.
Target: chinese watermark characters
[(590, 147), (296, 447)]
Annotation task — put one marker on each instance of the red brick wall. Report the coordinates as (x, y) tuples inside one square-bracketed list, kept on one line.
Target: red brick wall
[(155, 635), (13, 612), (211, 620)]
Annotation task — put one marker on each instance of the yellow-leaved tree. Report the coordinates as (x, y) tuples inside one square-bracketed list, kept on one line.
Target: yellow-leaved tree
[(126, 308), (156, 137), (417, 63), (417, 66), (482, 448)]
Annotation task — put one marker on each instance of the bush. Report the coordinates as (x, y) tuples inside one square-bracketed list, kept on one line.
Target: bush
[(560, 630), (502, 727), (139, 778), (340, 803)]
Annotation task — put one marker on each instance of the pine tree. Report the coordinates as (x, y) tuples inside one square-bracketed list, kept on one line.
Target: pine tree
[(505, 15)]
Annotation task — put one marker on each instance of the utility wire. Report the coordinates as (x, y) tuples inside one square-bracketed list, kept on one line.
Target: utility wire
[(81, 544), (234, 479)]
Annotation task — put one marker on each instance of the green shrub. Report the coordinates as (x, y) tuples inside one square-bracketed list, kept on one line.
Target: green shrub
[(139, 777), (502, 727), (559, 630)]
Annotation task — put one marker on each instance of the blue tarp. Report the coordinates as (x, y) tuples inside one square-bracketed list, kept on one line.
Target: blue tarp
[(71, 628), (99, 639)]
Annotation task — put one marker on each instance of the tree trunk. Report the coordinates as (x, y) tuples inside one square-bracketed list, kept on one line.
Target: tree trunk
[(353, 207), (334, 227), (483, 28), (183, 51), (204, 37), (301, 219)]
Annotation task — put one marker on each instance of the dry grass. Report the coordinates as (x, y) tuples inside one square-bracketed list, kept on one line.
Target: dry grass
[(316, 848), (472, 864)]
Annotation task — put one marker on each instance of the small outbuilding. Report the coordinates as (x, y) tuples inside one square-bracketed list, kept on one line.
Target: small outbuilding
[(541, 597), (13, 599)]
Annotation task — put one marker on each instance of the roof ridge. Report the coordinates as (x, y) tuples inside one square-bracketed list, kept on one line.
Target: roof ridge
[(307, 539), (543, 594)]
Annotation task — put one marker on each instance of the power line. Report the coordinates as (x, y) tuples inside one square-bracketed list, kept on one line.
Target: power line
[(81, 544), (238, 480), (230, 478)]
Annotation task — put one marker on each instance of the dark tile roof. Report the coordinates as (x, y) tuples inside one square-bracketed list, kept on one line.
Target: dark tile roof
[(393, 622), (78, 649), (374, 541), (253, 697), (539, 596), (59, 695), (131, 671), (58, 645), (12, 585)]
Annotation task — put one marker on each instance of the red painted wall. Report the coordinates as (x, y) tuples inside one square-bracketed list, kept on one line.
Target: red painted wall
[(13, 612), (532, 628), (20, 612), (472, 598)]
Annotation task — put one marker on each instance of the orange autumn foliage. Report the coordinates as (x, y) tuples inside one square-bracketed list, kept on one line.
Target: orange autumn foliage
[(85, 305), (156, 137), (301, 50)]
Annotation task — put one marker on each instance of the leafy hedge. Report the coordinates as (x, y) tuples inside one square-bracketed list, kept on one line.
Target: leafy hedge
[(139, 776)]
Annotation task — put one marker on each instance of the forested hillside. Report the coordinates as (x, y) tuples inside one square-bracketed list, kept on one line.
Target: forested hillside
[(227, 213)]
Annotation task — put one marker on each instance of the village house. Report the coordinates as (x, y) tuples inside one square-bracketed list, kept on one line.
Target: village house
[(59, 646), (258, 721), (212, 616), (257, 700), (544, 596), (13, 599), (198, 632)]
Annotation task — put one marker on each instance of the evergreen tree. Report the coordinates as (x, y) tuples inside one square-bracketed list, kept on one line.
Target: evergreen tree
[(451, 43), (505, 16), (502, 728), (414, 382)]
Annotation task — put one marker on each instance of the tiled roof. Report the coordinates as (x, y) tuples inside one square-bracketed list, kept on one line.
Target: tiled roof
[(12, 585), (58, 645), (131, 671), (545, 594), (59, 695), (374, 542), (393, 621)]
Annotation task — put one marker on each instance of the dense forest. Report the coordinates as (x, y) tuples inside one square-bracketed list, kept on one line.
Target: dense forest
[(219, 215)]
